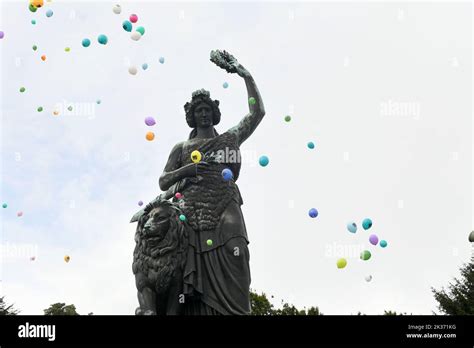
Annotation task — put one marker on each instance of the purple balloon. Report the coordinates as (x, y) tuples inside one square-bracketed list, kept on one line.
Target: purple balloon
[(150, 121), (373, 239), (140, 203), (2, 34)]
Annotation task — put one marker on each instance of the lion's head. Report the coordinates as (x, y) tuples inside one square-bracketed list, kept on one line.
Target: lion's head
[(160, 237)]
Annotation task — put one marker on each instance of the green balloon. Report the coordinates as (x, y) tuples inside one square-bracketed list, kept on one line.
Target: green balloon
[(341, 263), (35, 48), (209, 242), (287, 118), (252, 101), (22, 89), (182, 217), (4, 205), (40, 109), (365, 255), (141, 30), (32, 8)]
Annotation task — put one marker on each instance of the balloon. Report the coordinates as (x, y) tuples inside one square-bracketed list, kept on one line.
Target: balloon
[(227, 174), (133, 18), (32, 258), (150, 136), (22, 89), (37, 3), (373, 239), (132, 70), (43, 57), (98, 101), (352, 227), (365, 255), (182, 217), (150, 121), (196, 156), (383, 243), (263, 161), (67, 258), (35, 47), (287, 118), (313, 213), (178, 195), (209, 242), (49, 13), (366, 224), (102, 39), (67, 49), (136, 36), (117, 9), (144, 66), (69, 107), (32, 8), (225, 85), (2, 34), (55, 113), (86, 43), (368, 278), (127, 26), (162, 60), (471, 237), (311, 145), (140, 203), (33, 21), (341, 263), (141, 30), (252, 101), (4, 205), (40, 109)]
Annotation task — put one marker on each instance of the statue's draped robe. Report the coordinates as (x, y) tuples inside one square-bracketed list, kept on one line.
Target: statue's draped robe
[(217, 274)]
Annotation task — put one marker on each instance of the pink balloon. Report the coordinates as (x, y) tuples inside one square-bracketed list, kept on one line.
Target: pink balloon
[(133, 18)]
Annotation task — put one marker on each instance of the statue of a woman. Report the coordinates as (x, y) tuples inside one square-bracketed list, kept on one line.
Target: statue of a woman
[(217, 273)]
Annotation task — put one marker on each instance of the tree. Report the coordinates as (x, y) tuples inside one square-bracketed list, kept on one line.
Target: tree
[(61, 309), (459, 297), (260, 305), (6, 309)]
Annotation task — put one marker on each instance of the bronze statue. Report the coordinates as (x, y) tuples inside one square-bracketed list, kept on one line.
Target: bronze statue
[(216, 273)]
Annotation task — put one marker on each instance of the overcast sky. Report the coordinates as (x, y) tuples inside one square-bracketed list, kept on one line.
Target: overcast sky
[(382, 89)]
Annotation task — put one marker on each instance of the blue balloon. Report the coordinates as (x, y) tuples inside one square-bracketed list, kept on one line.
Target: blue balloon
[(227, 174), (366, 224), (313, 213), (162, 60), (311, 145), (225, 85), (383, 243), (263, 161), (49, 13), (127, 26), (352, 227), (86, 42), (144, 66)]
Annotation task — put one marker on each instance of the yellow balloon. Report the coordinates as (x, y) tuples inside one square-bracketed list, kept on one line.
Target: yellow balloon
[(37, 3), (67, 258), (196, 156)]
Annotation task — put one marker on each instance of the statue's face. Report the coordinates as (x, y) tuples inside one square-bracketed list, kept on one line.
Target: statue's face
[(203, 115)]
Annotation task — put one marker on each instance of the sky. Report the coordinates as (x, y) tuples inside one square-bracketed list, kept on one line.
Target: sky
[(383, 90)]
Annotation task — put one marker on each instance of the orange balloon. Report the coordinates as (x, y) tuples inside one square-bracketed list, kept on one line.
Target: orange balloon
[(67, 258), (43, 58), (37, 3), (150, 136)]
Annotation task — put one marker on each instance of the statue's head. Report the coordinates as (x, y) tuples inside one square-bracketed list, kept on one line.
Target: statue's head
[(202, 111)]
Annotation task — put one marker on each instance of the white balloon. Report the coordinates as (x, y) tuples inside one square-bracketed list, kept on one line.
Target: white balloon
[(133, 70), (368, 278), (117, 9), (136, 36)]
